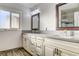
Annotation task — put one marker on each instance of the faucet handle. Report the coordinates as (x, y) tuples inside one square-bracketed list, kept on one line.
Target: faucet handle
[(71, 33)]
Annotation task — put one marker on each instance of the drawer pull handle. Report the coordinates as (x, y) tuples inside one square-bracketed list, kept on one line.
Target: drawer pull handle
[(57, 52)]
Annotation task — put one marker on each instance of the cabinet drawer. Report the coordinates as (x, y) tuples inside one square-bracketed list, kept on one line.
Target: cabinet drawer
[(32, 37), (33, 49), (48, 51), (24, 42), (39, 51), (33, 40), (33, 43), (67, 53), (39, 44), (39, 39), (69, 46), (24, 38)]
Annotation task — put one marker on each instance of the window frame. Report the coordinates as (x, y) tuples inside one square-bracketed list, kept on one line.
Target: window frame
[(11, 20)]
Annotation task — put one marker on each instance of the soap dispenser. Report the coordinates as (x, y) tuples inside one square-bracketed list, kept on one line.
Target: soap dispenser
[(46, 28)]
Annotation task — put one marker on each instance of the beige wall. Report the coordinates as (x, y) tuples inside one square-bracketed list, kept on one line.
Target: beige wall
[(47, 16), (10, 39), (26, 21)]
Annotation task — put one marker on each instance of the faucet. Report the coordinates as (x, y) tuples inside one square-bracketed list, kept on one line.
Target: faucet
[(71, 33), (65, 31), (46, 28)]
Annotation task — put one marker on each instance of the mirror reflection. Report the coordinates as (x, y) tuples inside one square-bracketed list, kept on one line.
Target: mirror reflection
[(35, 22), (69, 15)]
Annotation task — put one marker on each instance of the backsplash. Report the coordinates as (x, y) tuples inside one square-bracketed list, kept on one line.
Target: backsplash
[(68, 33)]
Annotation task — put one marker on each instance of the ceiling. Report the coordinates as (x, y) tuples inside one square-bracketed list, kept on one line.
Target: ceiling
[(19, 5), (69, 6)]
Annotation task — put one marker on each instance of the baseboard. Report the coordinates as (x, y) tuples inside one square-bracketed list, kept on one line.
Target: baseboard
[(11, 49)]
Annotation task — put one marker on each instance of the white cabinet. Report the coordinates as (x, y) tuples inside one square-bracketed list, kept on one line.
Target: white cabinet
[(41, 46), (63, 52), (26, 43), (33, 44), (48, 48), (29, 44), (33, 49), (48, 51), (60, 48), (39, 51)]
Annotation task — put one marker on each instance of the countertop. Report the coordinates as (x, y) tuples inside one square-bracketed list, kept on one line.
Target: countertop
[(56, 37)]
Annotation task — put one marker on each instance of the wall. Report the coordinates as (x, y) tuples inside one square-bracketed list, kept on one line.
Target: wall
[(47, 16), (10, 39), (26, 22), (2, 7), (47, 19)]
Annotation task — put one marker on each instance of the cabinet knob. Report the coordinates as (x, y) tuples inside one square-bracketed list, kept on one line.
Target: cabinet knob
[(57, 52), (54, 51), (24, 39)]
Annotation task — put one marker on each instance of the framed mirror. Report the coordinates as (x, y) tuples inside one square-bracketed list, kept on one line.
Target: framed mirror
[(35, 22), (67, 16)]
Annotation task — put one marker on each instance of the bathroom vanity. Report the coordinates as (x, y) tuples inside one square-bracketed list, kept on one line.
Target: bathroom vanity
[(48, 45)]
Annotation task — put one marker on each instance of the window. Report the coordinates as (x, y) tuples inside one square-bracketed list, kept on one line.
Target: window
[(4, 19), (9, 20), (15, 20)]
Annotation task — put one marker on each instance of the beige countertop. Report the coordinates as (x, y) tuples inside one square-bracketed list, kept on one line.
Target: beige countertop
[(57, 37)]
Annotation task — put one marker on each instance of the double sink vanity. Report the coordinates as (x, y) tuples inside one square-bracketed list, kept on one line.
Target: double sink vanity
[(41, 44)]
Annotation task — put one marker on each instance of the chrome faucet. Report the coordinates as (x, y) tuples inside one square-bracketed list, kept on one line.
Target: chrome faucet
[(71, 33)]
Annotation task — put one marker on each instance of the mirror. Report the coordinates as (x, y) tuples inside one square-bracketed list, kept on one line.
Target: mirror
[(68, 16), (35, 20)]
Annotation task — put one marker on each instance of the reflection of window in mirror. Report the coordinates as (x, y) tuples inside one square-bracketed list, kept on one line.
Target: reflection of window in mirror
[(68, 15), (15, 20), (35, 20)]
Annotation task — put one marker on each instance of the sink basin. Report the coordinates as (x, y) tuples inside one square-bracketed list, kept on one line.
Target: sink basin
[(59, 36)]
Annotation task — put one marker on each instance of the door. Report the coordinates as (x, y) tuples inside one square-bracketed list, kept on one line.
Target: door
[(39, 51), (49, 51), (26, 43), (67, 53)]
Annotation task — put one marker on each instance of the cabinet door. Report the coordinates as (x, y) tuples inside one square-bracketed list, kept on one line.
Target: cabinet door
[(67, 53), (33, 39), (39, 51), (26, 43), (63, 52), (33, 49), (49, 51)]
